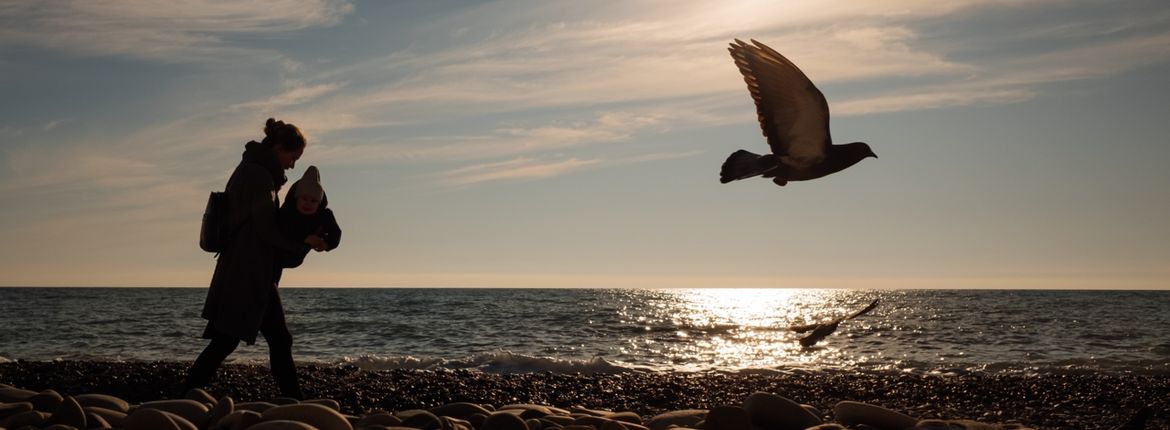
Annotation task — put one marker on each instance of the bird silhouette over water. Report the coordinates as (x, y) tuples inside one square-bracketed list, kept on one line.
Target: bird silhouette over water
[(795, 118), (823, 330)]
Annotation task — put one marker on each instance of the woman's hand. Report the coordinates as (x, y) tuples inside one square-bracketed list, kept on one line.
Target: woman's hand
[(315, 242)]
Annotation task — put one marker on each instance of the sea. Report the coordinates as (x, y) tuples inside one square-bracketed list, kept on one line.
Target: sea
[(620, 330)]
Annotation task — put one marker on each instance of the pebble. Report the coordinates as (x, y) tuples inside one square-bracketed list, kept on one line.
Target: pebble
[(282, 425), (680, 418), (238, 420), (461, 410), (199, 395), (190, 410), (10, 409), (46, 401), (329, 403), (852, 413), (103, 401), (115, 418), (321, 417), (29, 418), (504, 421), (12, 394), (379, 418), (155, 419), (419, 418), (728, 418), (69, 413), (258, 407), (222, 408), (778, 412)]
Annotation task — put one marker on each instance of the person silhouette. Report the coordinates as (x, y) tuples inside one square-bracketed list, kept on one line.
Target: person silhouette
[(242, 299)]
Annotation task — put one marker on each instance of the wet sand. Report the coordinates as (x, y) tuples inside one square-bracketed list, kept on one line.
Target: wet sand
[(1075, 400)]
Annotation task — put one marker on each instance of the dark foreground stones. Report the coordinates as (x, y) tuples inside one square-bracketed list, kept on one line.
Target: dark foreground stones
[(1053, 401)]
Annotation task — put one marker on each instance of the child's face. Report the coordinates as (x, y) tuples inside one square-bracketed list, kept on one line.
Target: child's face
[(307, 204)]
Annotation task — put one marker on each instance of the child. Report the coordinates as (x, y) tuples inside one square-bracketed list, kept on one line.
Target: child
[(303, 213)]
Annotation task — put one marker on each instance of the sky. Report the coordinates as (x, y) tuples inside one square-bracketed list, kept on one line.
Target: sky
[(515, 143)]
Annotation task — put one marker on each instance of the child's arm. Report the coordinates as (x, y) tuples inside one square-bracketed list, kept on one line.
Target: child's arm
[(330, 231)]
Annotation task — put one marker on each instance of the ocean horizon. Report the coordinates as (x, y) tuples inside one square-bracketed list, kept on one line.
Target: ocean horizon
[(517, 330)]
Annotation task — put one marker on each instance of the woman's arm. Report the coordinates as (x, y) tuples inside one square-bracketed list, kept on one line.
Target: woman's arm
[(260, 200)]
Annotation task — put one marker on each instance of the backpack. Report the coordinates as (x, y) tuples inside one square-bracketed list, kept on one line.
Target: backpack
[(214, 234)]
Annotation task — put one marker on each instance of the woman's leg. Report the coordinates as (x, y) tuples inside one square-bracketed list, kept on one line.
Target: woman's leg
[(279, 339), (209, 360)]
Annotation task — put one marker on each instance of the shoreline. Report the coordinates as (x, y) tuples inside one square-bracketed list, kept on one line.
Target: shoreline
[(1039, 401)]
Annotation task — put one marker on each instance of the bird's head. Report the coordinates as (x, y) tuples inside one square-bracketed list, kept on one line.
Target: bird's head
[(862, 149)]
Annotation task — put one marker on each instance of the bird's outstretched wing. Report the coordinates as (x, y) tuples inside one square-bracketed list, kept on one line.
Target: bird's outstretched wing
[(792, 111)]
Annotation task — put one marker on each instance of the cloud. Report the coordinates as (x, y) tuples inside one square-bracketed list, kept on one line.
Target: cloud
[(191, 31), (297, 93), (520, 168), (528, 168)]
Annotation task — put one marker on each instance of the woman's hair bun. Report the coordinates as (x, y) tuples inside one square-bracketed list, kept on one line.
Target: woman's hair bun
[(281, 133), (271, 126)]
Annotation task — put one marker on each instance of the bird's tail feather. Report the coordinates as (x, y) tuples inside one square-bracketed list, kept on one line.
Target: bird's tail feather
[(743, 164)]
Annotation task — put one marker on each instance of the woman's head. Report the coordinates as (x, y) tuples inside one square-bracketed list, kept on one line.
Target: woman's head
[(286, 139)]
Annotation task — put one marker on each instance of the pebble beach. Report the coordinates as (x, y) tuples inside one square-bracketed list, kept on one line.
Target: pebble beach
[(713, 400)]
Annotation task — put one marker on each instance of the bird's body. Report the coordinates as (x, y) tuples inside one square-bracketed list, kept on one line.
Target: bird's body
[(794, 117), (821, 331)]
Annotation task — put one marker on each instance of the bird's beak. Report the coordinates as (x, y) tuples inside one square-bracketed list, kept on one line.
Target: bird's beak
[(874, 155)]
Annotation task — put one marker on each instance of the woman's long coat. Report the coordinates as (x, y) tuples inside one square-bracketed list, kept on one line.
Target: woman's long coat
[(246, 272)]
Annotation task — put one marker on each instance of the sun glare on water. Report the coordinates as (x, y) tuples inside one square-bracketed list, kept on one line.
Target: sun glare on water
[(732, 328)]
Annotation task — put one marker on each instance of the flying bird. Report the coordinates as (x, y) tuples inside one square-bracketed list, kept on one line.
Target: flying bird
[(795, 118), (823, 330)]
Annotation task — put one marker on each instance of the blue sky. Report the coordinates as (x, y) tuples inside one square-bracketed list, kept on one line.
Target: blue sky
[(578, 144)]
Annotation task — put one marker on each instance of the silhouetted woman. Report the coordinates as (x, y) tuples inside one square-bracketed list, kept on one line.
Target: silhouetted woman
[(243, 299)]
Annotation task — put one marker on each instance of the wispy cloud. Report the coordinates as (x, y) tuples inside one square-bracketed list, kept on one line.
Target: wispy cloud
[(520, 168), (296, 93), (191, 31)]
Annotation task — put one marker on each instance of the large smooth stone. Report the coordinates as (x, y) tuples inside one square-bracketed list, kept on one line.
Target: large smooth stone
[(155, 419), (27, 418), (223, 408), (594, 412), (461, 410), (10, 409), (728, 418), (827, 427), (627, 417), (115, 418), (852, 413), (61, 427), (69, 413), (560, 420), (590, 420), (11, 394), (281, 401), (504, 421), (282, 425), (953, 425), (419, 419), (681, 418), (199, 395), (95, 421), (537, 410), (329, 403), (190, 410), (103, 401), (46, 401), (380, 418), (456, 423), (777, 412), (237, 420), (317, 416), (258, 407)]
